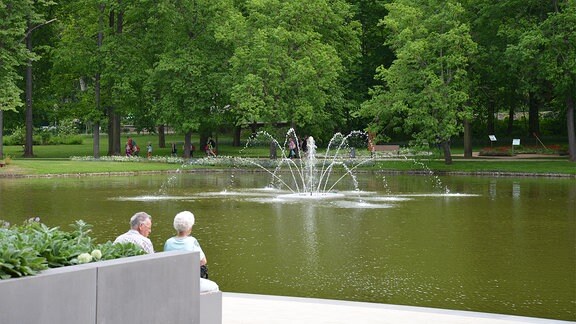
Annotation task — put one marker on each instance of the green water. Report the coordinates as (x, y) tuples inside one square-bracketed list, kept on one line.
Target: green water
[(500, 245)]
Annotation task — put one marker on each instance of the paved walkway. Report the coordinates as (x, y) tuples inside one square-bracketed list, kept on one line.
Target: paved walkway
[(262, 309)]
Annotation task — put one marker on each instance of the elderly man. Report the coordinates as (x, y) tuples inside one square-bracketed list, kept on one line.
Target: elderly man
[(140, 228)]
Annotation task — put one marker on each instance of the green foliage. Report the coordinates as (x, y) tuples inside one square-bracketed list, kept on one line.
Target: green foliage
[(291, 60), (27, 249), (426, 88)]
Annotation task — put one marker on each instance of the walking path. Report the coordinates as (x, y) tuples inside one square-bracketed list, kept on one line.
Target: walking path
[(262, 309)]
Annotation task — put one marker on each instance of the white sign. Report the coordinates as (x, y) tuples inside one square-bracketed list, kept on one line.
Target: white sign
[(516, 141), (492, 138)]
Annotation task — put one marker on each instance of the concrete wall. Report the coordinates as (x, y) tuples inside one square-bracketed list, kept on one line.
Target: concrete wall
[(211, 308), (156, 288)]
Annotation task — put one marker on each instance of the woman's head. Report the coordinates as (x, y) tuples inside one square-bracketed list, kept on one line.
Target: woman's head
[(183, 221)]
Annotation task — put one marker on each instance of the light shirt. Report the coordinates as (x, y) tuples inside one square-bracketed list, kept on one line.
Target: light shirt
[(190, 243), (132, 236), (187, 243)]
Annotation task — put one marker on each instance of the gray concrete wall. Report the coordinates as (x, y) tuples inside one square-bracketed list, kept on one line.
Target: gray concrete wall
[(156, 288), (211, 308), (63, 295)]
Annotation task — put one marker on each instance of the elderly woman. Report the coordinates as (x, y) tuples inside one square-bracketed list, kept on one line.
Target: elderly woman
[(183, 223)]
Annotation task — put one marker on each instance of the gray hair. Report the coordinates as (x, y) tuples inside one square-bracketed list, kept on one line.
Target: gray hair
[(183, 221), (139, 218)]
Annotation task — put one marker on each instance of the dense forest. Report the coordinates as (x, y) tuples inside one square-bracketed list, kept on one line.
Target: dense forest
[(425, 71)]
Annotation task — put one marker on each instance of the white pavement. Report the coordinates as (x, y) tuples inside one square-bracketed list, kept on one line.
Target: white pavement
[(263, 309)]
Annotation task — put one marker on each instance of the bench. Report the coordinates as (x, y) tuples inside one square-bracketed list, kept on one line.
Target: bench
[(385, 148)]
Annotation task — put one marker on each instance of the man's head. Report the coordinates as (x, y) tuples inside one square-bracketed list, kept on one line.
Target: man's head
[(141, 222)]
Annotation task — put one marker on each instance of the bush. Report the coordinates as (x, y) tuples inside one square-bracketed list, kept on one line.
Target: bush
[(18, 137), (25, 250)]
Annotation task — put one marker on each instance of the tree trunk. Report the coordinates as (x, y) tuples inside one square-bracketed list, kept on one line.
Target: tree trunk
[(467, 139), (511, 109), (447, 153), (28, 145), (117, 133), (1, 134), (510, 127), (237, 134), (110, 131), (161, 136), (96, 137), (570, 125), (490, 119), (187, 144), (533, 118), (114, 131), (96, 126)]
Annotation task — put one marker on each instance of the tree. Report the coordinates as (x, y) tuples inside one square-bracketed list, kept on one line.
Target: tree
[(290, 60), (554, 45), (36, 18), (185, 85), (426, 89), (13, 53)]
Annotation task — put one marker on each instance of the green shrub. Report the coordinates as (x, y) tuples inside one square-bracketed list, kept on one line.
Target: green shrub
[(25, 250)]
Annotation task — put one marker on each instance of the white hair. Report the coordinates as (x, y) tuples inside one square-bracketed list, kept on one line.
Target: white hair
[(183, 221), (139, 218)]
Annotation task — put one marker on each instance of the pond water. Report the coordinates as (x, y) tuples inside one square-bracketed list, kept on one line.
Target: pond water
[(499, 245)]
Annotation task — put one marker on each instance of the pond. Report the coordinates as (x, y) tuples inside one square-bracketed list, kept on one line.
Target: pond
[(490, 244)]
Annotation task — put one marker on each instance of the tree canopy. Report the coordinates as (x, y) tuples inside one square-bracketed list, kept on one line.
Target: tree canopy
[(420, 70)]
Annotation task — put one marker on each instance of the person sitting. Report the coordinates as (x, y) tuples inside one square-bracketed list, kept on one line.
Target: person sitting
[(183, 223), (210, 147), (140, 228)]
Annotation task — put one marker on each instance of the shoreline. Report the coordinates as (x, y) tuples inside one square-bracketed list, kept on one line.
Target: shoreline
[(16, 175)]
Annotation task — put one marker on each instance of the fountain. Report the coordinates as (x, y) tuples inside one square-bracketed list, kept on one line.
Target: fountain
[(310, 175)]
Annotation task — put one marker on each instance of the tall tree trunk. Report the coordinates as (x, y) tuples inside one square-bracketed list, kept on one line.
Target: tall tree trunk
[(447, 153), (114, 118), (96, 137), (1, 134), (117, 133), (117, 116), (114, 131), (97, 99), (187, 144), (237, 134), (490, 119), (28, 145), (533, 117), (511, 109), (161, 136), (467, 139), (510, 127), (570, 125)]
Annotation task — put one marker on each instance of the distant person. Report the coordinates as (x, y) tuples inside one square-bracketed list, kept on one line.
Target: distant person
[(210, 147), (135, 149), (149, 150), (183, 223), (128, 149), (292, 147), (174, 149), (140, 228)]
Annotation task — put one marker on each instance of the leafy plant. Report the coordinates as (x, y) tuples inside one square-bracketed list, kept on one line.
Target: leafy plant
[(25, 250)]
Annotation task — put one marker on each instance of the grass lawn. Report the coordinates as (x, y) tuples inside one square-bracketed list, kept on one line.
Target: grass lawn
[(55, 159)]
